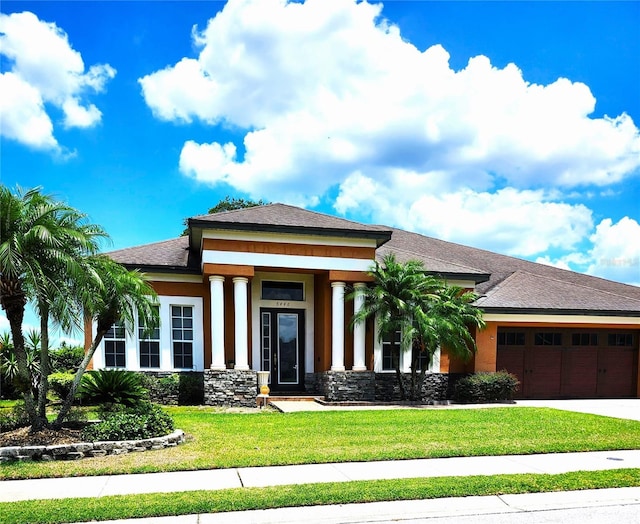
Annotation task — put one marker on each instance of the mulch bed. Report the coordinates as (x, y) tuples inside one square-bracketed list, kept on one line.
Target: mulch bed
[(45, 437)]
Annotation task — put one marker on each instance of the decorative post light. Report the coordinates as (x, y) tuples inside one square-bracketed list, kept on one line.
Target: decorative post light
[(263, 386)]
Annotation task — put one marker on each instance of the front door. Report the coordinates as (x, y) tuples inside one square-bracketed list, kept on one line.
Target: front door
[(283, 347)]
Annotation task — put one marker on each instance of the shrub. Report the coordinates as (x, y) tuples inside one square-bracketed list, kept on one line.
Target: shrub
[(14, 418), (145, 420), (486, 387), (112, 386), (60, 384), (66, 358), (164, 390)]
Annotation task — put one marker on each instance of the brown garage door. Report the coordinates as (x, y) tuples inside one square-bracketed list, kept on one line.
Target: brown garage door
[(570, 363)]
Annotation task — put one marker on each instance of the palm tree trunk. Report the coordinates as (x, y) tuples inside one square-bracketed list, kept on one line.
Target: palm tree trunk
[(396, 353), (41, 421), (68, 401), (14, 307)]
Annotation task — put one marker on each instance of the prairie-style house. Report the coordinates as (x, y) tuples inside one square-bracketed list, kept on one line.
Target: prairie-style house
[(263, 288)]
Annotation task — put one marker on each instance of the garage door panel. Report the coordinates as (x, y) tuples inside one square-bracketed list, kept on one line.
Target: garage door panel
[(579, 372), (542, 372), (617, 372), (512, 360)]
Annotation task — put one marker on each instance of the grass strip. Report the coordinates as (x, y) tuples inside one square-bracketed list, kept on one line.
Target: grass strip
[(226, 440), (164, 504)]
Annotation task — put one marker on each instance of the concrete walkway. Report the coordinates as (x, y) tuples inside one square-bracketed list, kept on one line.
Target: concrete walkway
[(628, 408), (102, 486)]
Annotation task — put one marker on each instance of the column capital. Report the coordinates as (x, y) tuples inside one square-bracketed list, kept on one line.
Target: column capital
[(216, 278), (338, 284), (359, 285), (240, 280)]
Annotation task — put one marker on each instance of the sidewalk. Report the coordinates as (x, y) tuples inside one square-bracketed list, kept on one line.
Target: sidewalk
[(102, 486)]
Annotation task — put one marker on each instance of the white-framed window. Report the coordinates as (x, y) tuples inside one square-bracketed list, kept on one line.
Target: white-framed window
[(149, 346), (182, 336), (115, 347), (383, 360), (388, 358)]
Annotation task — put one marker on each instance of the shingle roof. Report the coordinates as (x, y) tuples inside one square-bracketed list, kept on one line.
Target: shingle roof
[(520, 284), (505, 283), (282, 217), (167, 255)]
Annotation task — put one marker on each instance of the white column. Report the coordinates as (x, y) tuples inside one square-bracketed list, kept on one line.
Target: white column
[(240, 309), (337, 326), (217, 322), (358, 330)]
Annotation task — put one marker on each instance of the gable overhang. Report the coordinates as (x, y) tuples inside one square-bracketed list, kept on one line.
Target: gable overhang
[(197, 228), (565, 316)]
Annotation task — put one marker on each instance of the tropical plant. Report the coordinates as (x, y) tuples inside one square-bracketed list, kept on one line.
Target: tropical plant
[(428, 313), (144, 420), (112, 386), (43, 245), (66, 358), (119, 295)]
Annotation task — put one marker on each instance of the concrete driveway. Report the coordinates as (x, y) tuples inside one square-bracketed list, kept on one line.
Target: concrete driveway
[(628, 408), (609, 407)]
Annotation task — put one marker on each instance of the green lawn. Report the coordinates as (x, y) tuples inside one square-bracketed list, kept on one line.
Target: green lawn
[(159, 504), (222, 440)]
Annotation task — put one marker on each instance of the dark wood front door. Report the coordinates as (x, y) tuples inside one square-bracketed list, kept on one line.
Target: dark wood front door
[(282, 346)]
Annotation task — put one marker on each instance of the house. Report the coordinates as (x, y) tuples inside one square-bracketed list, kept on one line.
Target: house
[(263, 288)]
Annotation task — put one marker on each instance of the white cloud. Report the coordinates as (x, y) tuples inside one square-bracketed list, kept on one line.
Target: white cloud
[(4, 323), (44, 70), (616, 250), (517, 222), (328, 87)]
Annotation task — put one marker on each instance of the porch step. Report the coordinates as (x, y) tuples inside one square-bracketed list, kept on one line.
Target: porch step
[(296, 398)]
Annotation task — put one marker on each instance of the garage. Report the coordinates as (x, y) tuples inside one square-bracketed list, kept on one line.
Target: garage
[(570, 363)]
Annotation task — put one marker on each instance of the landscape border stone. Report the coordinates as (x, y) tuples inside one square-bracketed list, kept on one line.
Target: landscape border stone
[(89, 449)]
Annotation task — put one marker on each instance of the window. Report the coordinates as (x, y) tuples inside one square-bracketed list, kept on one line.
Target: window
[(620, 339), (511, 338), (275, 290), (114, 346), (388, 358), (266, 341), (149, 346), (548, 339), (423, 361), (584, 339), (182, 336)]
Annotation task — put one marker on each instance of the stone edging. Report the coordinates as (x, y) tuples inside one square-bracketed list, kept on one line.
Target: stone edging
[(89, 449)]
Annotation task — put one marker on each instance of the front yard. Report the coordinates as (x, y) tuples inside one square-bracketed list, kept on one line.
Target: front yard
[(222, 440)]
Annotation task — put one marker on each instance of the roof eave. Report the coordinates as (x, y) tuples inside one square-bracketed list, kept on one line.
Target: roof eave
[(380, 237), (551, 311)]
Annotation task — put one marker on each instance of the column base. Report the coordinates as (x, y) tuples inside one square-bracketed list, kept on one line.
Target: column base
[(338, 368), (217, 368), (242, 368), (359, 368)]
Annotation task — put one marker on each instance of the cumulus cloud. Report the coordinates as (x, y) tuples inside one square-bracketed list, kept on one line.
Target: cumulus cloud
[(517, 222), (328, 86), (616, 250), (43, 71), (329, 98)]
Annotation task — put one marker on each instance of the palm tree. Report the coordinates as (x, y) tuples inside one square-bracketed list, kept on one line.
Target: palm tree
[(118, 295), (42, 245), (428, 313), (399, 291), (445, 323)]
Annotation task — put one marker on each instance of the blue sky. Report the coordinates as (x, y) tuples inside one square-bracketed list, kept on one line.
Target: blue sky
[(510, 126)]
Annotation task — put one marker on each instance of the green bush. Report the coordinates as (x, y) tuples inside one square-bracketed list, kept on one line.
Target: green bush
[(145, 420), (60, 384), (486, 387), (66, 358), (14, 418), (112, 386)]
